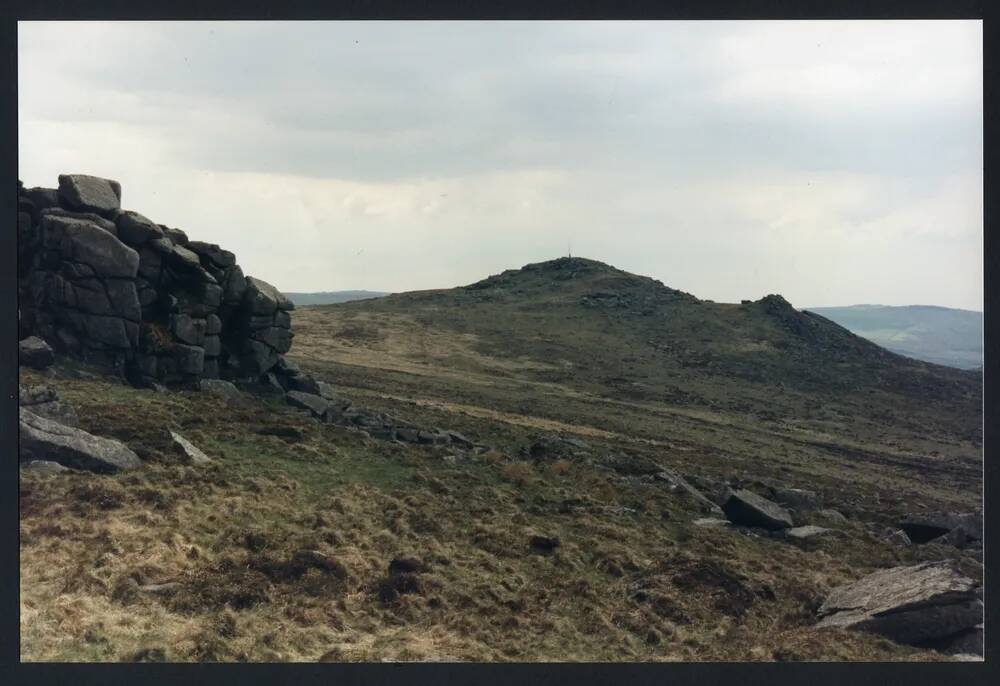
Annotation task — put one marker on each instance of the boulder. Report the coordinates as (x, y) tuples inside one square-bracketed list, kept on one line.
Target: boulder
[(44, 401), (188, 329), (213, 325), (44, 439), (679, 484), (831, 516), (223, 389), (135, 230), (257, 357), (796, 498), (90, 217), (307, 401), (261, 297), (110, 331), (212, 253), (189, 450), (90, 193), (35, 353), (190, 359), (85, 242), (278, 339), (916, 604), (175, 235), (924, 527), (212, 346), (749, 509), (968, 642), (41, 199), (304, 383)]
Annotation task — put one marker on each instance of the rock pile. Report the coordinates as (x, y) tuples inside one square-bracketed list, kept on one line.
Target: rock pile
[(114, 288), (328, 406)]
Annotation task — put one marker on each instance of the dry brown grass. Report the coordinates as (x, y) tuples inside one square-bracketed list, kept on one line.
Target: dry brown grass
[(281, 551)]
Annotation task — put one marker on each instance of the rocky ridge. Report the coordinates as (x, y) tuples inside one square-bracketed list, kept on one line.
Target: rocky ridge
[(112, 287)]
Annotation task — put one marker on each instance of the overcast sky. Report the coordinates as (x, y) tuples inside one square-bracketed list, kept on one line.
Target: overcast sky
[(832, 162)]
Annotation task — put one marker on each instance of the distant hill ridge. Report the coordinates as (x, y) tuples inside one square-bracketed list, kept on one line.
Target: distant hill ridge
[(331, 297), (941, 335)]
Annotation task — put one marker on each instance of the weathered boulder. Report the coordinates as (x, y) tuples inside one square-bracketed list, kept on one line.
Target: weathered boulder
[(135, 229), (90, 217), (212, 253), (968, 642), (190, 359), (749, 509), (90, 193), (916, 604), (263, 298), (924, 527), (223, 389), (85, 242), (188, 329), (307, 401), (35, 353), (679, 484), (44, 439), (190, 452), (44, 401), (796, 498)]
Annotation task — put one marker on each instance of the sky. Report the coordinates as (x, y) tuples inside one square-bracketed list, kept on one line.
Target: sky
[(833, 162)]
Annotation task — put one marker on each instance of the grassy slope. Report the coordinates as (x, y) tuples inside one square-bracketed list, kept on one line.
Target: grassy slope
[(633, 578)]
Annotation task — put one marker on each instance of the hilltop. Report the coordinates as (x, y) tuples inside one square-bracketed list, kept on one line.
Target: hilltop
[(599, 329)]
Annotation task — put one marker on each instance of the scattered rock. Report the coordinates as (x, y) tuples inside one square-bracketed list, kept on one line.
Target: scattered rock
[(916, 604), (830, 516), (189, 450), (925, 527), (35, 353), (44, 439), (307, 401), (679, 483), (44, 401), (711, 522), (749, 509), (223, 389), (796, 498)]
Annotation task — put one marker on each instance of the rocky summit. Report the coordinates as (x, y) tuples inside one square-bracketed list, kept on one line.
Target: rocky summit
[(110, 286)]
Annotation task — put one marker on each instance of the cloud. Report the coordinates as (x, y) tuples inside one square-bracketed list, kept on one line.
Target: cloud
[(721, 157)]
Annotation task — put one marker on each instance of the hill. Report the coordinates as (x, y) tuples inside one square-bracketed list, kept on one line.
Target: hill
[(331, 297), (941, 335), (562, 436)]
